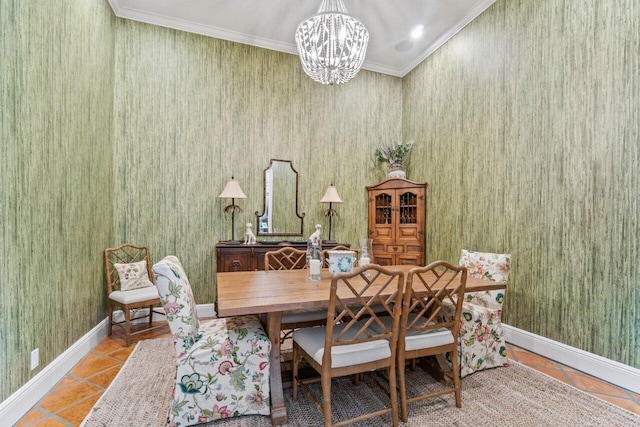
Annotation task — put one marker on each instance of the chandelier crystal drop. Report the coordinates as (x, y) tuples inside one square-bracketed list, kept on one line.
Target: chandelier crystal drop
[(332, 44)]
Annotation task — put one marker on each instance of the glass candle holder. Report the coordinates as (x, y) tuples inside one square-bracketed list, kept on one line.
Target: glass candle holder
[(366, 252), (314, 260)]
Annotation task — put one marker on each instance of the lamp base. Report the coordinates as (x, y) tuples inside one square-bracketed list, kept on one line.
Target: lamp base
[(329, 242)]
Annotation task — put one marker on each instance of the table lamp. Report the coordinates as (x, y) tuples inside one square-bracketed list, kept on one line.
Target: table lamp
[(232, 191), (330, 196)]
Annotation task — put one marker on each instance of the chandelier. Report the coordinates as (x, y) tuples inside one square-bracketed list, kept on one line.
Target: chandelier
[(332, 44)]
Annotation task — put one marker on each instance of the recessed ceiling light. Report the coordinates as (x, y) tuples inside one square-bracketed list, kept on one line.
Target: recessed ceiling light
[(417, 31)]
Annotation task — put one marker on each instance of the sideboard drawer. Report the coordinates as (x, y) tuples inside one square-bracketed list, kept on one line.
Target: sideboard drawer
[(234, 261)]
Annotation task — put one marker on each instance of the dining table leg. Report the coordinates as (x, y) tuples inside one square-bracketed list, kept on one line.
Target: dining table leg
[(278, 408)]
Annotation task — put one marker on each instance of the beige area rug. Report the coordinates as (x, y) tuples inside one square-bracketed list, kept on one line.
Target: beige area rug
[(515, 396)]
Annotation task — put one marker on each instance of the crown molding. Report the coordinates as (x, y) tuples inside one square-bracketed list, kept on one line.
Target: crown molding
[(194, 27), (238, 37)]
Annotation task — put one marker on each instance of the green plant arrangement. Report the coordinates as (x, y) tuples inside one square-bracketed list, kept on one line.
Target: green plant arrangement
[(394, 152)]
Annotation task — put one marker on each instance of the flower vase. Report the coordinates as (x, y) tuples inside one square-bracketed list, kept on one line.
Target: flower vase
[(396, 170)]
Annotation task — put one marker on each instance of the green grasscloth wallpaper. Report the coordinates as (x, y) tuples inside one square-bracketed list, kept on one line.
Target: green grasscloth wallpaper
[(56, 177), (526, 127), (530, 140)]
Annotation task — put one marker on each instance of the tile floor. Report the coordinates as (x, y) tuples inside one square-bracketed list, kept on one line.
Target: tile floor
[(73, 397)]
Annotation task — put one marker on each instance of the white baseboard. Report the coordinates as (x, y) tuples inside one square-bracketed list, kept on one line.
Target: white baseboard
[(20, 402), (608, 370)]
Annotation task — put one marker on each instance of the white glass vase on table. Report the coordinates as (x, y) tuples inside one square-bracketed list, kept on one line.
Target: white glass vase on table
[(366, 252)]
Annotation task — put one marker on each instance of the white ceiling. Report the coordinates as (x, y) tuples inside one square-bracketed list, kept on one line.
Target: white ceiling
[(271, 24)]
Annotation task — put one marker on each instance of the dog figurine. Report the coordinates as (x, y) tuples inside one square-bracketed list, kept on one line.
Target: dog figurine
[(315, 238), (249, 237)]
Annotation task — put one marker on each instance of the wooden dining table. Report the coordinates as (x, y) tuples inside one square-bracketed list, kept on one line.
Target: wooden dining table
[(276, 291)]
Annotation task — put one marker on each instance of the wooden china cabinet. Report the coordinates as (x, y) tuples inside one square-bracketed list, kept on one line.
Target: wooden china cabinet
[(397, 221)]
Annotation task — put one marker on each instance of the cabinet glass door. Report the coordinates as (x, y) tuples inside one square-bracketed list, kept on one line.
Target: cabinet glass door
[(408, 208), (383, 208)]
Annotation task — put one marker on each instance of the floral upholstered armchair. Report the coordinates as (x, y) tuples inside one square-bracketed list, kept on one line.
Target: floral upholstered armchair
[(481, 343), (222, 364)]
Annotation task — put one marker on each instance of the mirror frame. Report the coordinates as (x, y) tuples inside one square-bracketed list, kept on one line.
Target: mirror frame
[(264, 201)]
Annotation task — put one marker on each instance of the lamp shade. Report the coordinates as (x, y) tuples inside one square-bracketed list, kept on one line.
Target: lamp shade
[(232, 190), (331, 195)]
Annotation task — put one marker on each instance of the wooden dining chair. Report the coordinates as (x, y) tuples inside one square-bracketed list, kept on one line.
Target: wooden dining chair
[(347, 345), (427, 327), (289, 258), (286, 258), (130, 287)]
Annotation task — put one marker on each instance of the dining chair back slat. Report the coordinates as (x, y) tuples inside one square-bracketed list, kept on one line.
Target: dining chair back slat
[(286, 258)]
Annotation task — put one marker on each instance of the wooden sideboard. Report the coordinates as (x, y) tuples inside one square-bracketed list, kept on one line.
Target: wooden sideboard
[(239, 257)]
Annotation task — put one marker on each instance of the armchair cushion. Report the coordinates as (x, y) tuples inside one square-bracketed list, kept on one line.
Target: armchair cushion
[(303, 315), (133, 275)]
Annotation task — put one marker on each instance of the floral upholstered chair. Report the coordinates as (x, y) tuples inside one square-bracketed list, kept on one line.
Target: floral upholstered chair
[(481, 343), (222, 364)]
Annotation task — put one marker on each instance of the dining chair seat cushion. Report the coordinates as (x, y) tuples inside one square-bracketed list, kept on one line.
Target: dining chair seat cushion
[(301, 316), (416, 340), (375, 307), (135, 295), (311, 340)]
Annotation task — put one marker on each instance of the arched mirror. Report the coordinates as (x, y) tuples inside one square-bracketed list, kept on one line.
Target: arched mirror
[(279, 216)]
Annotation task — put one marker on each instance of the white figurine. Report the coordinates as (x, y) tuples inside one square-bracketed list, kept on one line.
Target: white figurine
[(315, 238), (249, 237)]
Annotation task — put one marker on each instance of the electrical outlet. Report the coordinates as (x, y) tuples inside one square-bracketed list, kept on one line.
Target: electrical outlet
[(35, 358)]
